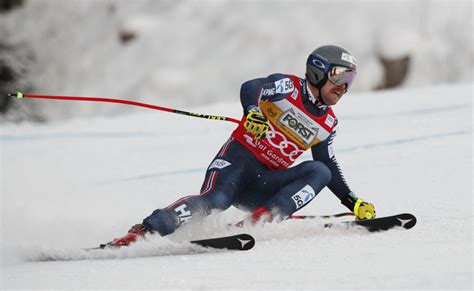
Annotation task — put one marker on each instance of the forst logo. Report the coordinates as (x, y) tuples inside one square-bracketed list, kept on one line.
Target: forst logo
[(299, 128)]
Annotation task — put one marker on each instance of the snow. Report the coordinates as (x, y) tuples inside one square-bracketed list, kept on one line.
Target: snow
[(70, 185), (92, 173)]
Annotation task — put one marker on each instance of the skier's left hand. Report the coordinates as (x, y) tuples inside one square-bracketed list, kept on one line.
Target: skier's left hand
[(364, 210)]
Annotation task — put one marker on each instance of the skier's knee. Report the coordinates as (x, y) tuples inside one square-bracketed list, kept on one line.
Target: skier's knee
[(319, 170), (162, 221), (218, 200)]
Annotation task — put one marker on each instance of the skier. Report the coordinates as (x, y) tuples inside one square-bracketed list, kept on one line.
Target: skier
[(284, 116)]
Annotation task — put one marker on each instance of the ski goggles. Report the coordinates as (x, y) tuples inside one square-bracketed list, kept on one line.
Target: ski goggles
[(341, 75)]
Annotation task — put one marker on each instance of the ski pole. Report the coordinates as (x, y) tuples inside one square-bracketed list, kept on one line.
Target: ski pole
[(21, 95)]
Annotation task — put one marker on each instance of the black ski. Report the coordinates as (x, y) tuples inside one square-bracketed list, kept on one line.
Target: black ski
[(241, 242), (405, 220)]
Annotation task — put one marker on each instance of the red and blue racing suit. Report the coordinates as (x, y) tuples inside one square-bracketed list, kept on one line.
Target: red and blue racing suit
[(250, 173)]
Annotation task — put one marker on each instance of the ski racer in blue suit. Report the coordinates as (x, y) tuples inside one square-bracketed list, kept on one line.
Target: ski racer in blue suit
[(284, 116)]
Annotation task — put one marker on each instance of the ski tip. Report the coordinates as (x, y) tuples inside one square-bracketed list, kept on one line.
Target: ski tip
[(101, 247), (247, 241), (239, 242), (407, 220)]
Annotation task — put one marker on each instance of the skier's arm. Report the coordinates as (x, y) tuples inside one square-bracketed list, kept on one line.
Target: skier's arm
[(324, 152), (252, 91), (255, 90)]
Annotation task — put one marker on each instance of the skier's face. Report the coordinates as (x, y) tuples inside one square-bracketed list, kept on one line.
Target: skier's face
[(331, 93)]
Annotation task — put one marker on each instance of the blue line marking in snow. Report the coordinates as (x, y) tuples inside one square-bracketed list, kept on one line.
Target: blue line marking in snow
[(191, 171), (132, 134), (403, 141), (342, 150), (88, 135), (408, 113), (94, 135)]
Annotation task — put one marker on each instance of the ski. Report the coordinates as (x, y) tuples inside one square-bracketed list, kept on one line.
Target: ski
[(242, 223), (405, 220), (240, 242), (321, 216)]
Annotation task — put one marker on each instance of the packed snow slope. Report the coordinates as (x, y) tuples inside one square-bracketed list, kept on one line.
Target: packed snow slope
[(79, 183)]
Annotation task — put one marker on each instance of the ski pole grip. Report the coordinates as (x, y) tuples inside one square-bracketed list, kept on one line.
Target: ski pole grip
[(18, 95)]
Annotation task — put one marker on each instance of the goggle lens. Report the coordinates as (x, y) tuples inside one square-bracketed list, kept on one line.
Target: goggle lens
[(341, 75)]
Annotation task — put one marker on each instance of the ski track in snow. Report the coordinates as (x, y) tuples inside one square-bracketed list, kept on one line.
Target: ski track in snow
[(151, 248), (155, 246)]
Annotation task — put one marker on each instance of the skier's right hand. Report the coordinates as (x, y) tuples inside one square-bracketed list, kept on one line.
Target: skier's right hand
[(256, 123)]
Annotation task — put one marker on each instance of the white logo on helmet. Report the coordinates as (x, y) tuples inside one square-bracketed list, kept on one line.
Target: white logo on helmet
[(348, 58)]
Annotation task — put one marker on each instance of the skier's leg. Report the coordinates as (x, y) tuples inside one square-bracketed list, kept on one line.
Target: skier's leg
[(165, 221), (301, 191), (284, 192), (226, 176)]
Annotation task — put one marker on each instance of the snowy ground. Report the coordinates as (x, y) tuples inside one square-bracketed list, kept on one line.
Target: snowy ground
[(79, 183)]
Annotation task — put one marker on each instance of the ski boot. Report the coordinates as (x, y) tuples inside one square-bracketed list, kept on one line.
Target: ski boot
[(260, 215), (135, 233)]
